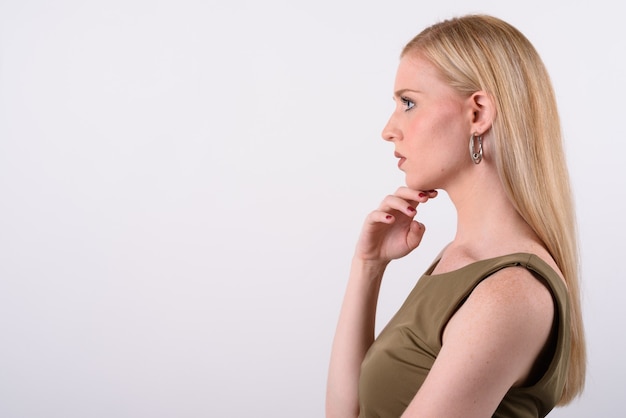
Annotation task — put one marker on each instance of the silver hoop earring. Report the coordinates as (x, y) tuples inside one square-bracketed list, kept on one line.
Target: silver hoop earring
[(477, 156)]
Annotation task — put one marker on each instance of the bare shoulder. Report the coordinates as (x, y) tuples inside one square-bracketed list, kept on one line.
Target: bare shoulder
[(493, 342), (513, 303), (511, 311), (510, 315), (515, 290)]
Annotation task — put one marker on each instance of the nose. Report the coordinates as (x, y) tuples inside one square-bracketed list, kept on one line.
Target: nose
[(390, 131)]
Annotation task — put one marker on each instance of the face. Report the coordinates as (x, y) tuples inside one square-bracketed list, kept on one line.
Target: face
[(430, 126)]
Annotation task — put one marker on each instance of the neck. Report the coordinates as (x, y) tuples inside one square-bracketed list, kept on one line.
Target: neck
[(487, 222)]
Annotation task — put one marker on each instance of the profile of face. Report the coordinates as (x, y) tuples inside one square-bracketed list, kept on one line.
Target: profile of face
[(430, 126)]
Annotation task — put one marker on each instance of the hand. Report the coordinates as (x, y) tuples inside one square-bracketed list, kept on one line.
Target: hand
[(390, 231)]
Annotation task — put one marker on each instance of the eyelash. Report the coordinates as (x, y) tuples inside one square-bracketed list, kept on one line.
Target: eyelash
[(408, 103)]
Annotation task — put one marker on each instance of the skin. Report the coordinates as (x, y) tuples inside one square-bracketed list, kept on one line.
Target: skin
[(495, 340)]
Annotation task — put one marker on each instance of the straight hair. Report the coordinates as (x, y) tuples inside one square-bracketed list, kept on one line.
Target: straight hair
[(479, 52)]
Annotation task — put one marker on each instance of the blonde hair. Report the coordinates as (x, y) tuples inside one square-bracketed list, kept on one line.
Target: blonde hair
[(480, 52)]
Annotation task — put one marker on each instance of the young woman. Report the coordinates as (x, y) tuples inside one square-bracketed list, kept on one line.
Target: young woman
[(494, 327)]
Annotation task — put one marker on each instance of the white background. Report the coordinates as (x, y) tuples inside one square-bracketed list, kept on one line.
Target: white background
[(182, 184)]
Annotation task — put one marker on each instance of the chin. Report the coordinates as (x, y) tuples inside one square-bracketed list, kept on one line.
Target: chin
[(419, 185)]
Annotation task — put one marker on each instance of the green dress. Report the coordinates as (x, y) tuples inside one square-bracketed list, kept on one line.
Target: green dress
[(397, 363)]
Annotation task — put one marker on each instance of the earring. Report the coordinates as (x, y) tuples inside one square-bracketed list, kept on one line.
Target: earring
[(477, 156)]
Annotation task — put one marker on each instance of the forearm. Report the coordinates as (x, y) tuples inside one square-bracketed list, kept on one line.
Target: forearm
[(353, 337), (388, 233)]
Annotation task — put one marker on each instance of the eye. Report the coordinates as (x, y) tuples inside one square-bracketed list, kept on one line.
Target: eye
[(408, 103)]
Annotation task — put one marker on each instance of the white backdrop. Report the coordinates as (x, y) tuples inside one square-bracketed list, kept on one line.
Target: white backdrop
[(182, 184)]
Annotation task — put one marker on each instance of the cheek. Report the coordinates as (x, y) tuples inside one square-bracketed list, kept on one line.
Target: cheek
[(451, 131), (449, 121)]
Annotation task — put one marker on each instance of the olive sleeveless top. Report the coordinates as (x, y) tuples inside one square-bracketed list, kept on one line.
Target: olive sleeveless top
[(397, 363)]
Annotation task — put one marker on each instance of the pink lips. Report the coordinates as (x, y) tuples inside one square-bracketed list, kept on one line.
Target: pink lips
[(401, 157)]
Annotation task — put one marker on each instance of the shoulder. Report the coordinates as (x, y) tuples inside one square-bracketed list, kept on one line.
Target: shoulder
[(490, 344), (511, 297), (508, 315), (512, 292), (510, 311)]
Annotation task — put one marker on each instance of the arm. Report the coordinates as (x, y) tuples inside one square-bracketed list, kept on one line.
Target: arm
[(388, 233), (491, 344), (353, 337)]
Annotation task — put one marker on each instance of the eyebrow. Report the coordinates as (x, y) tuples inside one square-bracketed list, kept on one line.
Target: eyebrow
[(401, 92)]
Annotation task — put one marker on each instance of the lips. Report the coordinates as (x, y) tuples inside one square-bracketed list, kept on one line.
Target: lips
[(401, 157)]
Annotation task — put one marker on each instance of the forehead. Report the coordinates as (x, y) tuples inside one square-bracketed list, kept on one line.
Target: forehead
[(416, 73)]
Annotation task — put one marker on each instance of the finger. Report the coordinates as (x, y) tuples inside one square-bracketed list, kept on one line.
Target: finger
[(415, 196), (394, 203), (416, 232), (379, 216), (408, 194), (431, 193), (425, 196)]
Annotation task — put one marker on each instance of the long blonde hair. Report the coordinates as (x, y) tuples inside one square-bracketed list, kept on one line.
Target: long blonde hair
[(480, 52)]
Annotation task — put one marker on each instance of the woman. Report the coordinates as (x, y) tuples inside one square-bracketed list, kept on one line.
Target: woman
[(494, 327)]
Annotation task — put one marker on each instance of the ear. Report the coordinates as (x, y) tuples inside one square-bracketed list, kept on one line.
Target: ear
[(483, 111)]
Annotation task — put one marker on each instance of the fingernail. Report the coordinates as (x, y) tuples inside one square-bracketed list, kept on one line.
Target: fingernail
[(388, 217), (422, 194), (411, 209)]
